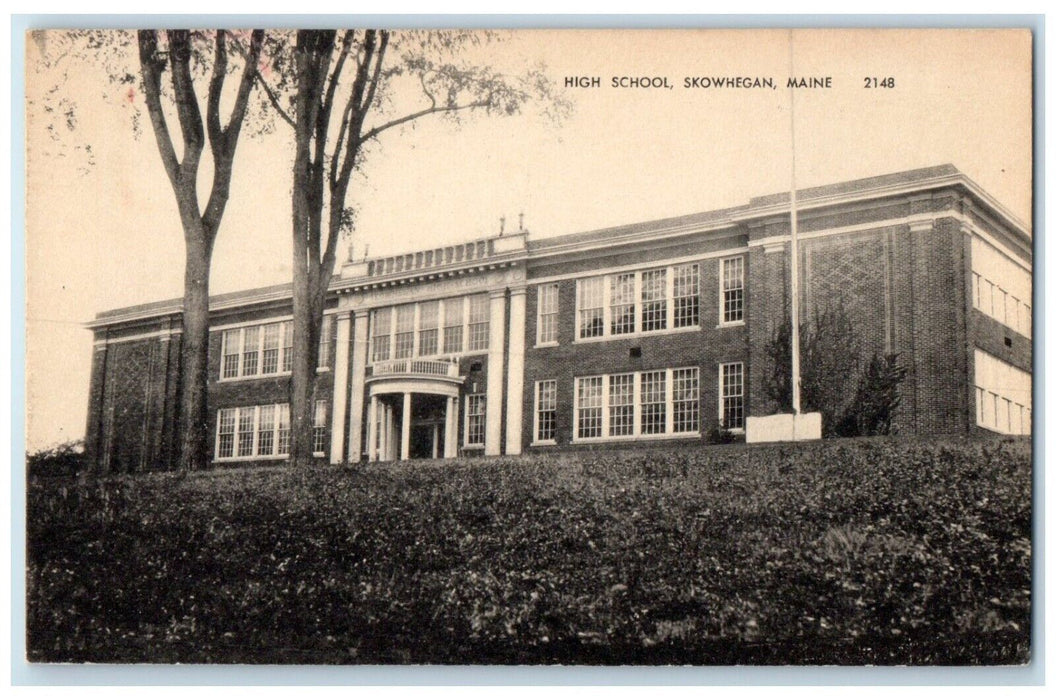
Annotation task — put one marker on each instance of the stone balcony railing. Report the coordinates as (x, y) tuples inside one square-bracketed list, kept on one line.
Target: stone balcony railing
[(451, 256), (422, 368)]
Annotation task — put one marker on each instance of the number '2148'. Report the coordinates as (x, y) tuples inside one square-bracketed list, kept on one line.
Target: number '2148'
[(880, 82)]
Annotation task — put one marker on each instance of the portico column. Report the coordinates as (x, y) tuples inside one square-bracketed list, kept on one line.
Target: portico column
[(515, 373), (359, 379), (337, 426), (385, 429), (496, 350), (451, 428), (372, 430), (405, 428)]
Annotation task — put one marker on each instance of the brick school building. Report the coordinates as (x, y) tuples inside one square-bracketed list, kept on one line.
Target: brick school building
[(645, 333)]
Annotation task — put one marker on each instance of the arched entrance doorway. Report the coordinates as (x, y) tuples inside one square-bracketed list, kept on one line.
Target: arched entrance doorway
[(413, 412)]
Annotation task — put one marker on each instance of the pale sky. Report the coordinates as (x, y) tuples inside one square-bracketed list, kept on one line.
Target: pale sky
[(108, 235)]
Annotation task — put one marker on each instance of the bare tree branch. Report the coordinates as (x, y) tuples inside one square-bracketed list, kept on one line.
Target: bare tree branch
[(274, 100), (422, 113), (152, 66)]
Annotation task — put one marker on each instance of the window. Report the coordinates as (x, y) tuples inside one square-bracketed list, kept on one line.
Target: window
[(251, 431), (686, 294), (266, 431), (232, 352), (475, 412), (478, 322), (733, 290), (283, 433), (621, 405), (382, 325), (250, 353), (685, 387), (287, 346), (247, 418), (654, 300), (255, 350), (1003, 395), (545, 410), (225, 443), (662, 402), (270, 358), (453, 315), (628, 303), (731, 393), (319, 428), (404, 331), (654, 403), (429, 313), (326, 333), (621, 304), (591, 309), (588, 407), (547, 327), (1001, 288)]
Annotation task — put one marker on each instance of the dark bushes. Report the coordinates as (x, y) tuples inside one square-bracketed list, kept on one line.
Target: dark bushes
[(861, 551)]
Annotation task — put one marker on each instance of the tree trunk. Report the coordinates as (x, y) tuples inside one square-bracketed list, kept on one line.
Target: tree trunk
[(194, 405), (307, 326)]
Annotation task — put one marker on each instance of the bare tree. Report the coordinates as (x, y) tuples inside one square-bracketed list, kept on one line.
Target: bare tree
[(337, 95)]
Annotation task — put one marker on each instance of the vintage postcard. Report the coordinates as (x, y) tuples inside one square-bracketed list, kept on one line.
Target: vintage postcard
[(582, 347)]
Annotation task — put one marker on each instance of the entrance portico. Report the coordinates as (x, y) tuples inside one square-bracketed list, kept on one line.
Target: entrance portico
[(413, 410)]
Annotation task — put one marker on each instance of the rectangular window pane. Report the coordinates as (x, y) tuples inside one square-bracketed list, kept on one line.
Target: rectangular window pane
[(226, 432), (284, 428), (478, 322), (654, 402), (270, 360), (266, 431), (475, 416), (685, 389), (621, 304), (621, 404), (453, 314), (548, 313), (319, 427), (287, 346), (246, 416), (250, 348), (232, 350), (732, 388), (380, 329), (654, 300), (733, 290), (429, 318), (687, 295), (325, 335), (404, 331), (427, 342), (588, 402), (546, 409), (591, 311)]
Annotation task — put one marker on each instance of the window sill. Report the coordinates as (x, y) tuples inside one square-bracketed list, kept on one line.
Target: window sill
[(641, 334), (251, 458), (543, 443), (251, 377), (731, 324), (546, 345), (633, 438)]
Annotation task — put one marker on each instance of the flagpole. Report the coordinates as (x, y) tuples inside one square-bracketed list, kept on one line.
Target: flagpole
[(794, 238)]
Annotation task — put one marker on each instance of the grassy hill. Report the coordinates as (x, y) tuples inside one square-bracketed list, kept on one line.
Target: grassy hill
[(873, 551)]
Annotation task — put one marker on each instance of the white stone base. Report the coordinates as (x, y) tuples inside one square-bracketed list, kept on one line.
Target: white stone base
[(783, 427)]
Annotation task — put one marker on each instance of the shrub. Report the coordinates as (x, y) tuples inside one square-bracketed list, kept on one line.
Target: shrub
[(65, 459)]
